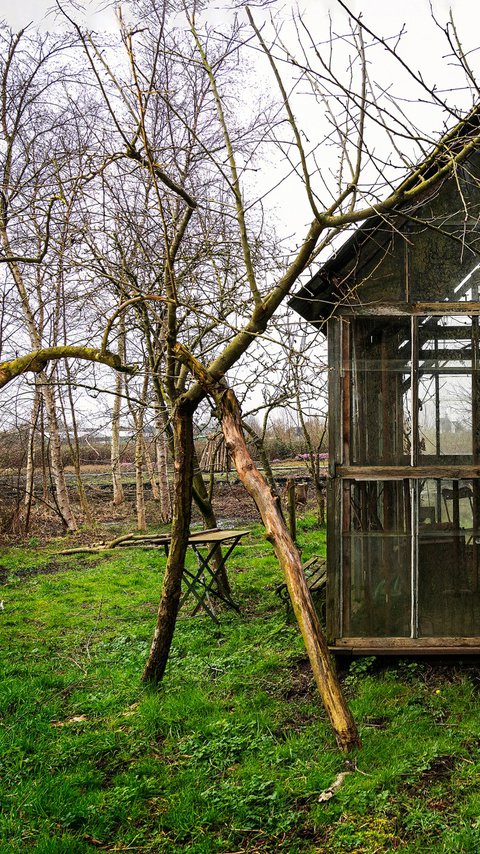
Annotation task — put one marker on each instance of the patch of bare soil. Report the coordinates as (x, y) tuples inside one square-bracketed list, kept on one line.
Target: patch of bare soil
[(440, 768), (45, 524), (51, 568), (301, 682), (232, 504)]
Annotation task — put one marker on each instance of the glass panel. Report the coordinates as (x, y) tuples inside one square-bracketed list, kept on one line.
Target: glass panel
[(445, 418), (445, 342), (380, 425), (377, 560), (448, 558), (448, 356)]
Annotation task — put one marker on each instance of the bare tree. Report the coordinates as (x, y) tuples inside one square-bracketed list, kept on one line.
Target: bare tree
[(36, 196)]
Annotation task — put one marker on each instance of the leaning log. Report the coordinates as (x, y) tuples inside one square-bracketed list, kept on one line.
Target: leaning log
[(289, 559)]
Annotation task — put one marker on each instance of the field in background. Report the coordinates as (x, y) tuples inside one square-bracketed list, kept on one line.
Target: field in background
[(231, 502)]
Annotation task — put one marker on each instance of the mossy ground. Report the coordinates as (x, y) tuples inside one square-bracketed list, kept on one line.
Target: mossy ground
[(231, 754)]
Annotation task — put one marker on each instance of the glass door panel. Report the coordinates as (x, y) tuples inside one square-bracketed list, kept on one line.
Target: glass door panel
[(377, 559), (445, 415)]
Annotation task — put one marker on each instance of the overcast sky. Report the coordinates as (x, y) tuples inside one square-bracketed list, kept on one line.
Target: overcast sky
[(422, 46), (385, 17), (382, 14), (19, 13)]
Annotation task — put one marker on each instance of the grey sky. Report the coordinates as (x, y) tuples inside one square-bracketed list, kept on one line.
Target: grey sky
[(19, 13), (423, 47), (384, 16), (378, 13)]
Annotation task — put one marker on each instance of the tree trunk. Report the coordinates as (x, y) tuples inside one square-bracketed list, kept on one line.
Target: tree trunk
[(30, 468), (260, 446), (58, 474), (44, 452), (118, 495), (172, 583), (61, 492), (320, 497), (74, 446), (292, 510), (151, 471), (139, 491), (200, 492), (161, 445), (289, 559)]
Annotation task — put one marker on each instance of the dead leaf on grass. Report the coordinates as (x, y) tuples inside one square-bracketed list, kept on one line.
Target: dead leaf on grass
[(76, 719), (131, 710)]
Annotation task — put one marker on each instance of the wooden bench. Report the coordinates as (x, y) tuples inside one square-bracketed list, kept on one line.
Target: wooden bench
[(315, 571)]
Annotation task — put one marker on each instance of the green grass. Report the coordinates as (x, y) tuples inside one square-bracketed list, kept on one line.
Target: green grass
[(233, 751)]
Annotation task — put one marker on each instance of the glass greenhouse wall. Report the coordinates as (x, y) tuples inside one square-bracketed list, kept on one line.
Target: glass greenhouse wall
[(409, 497), (400, 301)]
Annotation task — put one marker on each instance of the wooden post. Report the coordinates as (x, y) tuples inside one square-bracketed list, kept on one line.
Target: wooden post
[(292, 516)]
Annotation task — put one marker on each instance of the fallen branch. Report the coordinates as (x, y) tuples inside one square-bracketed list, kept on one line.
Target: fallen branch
[(126, 540), (337, 783)]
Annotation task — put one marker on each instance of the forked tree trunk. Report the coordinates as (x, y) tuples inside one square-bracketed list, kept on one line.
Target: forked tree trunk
[(182, 422), (289, 559)]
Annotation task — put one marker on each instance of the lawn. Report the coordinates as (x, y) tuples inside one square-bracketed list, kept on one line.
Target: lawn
[(232, 753)]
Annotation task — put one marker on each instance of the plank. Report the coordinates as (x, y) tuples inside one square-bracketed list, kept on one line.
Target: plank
[(217, 536), (395, 643), (408, 472)]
